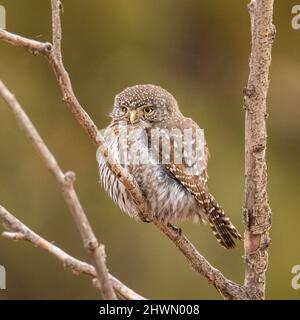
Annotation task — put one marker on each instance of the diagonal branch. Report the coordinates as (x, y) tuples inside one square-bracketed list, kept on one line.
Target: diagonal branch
[(65, 182), (16, 230), (227, 288), (257, 211)]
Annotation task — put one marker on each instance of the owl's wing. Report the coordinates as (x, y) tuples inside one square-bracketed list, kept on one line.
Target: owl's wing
[(192, 174)]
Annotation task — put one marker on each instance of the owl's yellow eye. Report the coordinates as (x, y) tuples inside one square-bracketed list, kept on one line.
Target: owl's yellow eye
[(148, 110), (124, 109)]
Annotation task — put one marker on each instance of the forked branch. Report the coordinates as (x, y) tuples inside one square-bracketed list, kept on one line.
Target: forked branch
[(16, 230)]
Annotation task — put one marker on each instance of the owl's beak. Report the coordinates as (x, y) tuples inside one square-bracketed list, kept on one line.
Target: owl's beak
[(132, 116)]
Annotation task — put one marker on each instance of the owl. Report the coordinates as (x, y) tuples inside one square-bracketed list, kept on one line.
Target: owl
[(167, 155)]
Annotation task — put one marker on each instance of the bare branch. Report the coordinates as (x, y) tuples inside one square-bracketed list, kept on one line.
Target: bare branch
[(257, 211), (227, 288), (56, 29), (34, 46), (66, 183), (18, 231)]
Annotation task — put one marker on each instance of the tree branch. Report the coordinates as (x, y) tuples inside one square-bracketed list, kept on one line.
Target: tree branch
[(227, 288), (257, 211), (16, 230), (56, 7), (33, 46), (65, 182)]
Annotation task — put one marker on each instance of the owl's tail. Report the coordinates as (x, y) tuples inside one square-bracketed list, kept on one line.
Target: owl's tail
[(221, 226)]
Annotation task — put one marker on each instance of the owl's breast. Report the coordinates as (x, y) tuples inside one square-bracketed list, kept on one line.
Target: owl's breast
[(167, 199), (115, 189)]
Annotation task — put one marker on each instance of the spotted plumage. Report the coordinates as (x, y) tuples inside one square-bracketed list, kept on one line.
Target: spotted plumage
[(172, 179)]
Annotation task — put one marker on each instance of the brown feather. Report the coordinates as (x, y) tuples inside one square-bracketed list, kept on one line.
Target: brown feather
[(222, 228)]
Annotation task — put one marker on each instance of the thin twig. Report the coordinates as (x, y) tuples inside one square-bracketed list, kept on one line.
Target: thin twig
[(16, 230), (56, 29), (66, 183), (34, 46)]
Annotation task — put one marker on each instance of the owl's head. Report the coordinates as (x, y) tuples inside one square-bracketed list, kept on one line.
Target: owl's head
[(144, 103)]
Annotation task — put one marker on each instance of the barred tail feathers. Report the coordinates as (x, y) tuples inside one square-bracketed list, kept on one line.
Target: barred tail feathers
[(222, 228)]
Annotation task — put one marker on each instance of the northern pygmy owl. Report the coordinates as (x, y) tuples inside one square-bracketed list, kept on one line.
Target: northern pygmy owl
[(172, 179)]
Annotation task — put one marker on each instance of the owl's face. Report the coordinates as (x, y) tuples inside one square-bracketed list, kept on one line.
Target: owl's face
[(145, 104)]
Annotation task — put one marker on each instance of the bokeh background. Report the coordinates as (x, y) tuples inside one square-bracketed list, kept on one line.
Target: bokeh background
[(199, 51)]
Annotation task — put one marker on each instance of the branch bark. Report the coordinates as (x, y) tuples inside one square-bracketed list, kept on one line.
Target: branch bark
[(35, 47), (16, 230), (56, 7), (257, 211), (65, 182)]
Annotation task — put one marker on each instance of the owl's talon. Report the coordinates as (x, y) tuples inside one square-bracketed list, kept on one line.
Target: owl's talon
[(176, 229), (145, 219)]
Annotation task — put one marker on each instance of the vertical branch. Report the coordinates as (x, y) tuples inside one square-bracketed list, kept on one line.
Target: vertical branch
[(56, 7), (257, 211), (55, 59)]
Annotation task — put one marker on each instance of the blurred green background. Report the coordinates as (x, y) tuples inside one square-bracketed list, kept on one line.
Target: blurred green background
[(199, 51)]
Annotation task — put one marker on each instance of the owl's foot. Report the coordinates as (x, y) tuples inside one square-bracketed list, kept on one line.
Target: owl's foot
[(145, 219), (176, 229)]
